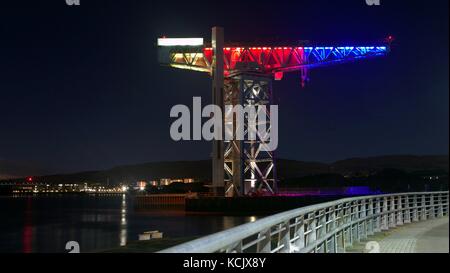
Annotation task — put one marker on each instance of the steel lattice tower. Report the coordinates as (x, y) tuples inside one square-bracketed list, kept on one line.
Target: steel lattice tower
[(247, 166)]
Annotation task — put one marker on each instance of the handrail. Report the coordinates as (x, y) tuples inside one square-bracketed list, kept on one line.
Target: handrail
[(325, 227)]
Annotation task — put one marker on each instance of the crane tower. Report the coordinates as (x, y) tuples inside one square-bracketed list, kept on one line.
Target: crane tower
[(242, 74)]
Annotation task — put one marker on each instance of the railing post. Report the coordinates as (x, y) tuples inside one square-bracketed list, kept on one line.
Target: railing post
[(321, 230), (334, 243), (378, 218), (356, 217), (423, 211), (399, 210), (446, 204), (331, 227), (415, 217), (392, 213), (264, 246), (284, 237), (371, 221), (362, 215), (346, 241), (348, 236), (311, 237), (340, 239), (299, 232), (385, 219), (432, 207), (407, 215), (441, 205)]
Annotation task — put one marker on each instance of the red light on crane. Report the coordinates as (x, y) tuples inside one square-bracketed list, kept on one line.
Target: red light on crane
[(390, 39), (30, 179), (278, 76)]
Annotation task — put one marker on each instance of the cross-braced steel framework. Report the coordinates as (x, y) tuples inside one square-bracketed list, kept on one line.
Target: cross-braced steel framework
[(248, 167), (272, 60)]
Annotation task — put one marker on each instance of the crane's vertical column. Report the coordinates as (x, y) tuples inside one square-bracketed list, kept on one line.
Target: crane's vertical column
[(234, 161), (257, 91), (218, 182), (248, 168)]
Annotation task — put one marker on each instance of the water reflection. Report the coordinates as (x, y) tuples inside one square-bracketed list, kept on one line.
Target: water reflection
[(47, 223), (123, 221), (27, 237)]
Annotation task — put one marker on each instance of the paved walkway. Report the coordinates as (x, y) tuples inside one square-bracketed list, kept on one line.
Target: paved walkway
[(431, 236)]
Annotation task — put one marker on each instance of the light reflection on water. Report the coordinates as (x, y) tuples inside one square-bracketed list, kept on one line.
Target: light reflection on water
[(46, 223), (123, 221)]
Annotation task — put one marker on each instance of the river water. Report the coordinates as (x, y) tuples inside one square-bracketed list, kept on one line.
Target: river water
[(34, 224)]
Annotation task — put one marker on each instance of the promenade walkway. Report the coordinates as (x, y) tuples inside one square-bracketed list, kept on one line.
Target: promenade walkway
[(431, 236)]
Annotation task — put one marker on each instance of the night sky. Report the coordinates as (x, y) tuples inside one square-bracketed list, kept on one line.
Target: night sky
[(81, 89)]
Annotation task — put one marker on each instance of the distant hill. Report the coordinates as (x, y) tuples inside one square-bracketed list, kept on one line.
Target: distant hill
[(14, 169), (294, 168), (286, 169), (407, 163)]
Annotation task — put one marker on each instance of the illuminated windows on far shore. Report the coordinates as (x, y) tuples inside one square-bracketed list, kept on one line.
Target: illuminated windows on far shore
[(168, 181)]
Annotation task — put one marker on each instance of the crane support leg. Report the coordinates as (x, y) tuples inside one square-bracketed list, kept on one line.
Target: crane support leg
[(218, 182), (247, 167)]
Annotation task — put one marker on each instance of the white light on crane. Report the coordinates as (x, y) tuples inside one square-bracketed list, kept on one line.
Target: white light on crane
[(180, 41)]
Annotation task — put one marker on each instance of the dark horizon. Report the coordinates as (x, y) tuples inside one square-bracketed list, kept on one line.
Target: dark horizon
[(81, 88), (42, 172)]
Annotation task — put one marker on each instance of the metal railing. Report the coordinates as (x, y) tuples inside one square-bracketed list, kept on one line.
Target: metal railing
[(326, 227)]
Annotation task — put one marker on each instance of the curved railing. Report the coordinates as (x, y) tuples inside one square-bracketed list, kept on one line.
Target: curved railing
[(325, 227)]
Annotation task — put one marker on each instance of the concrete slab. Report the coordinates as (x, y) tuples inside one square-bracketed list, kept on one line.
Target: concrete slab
[(431, 236)]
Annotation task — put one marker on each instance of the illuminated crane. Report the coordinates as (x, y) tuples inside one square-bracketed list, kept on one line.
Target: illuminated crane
[(242, 75)]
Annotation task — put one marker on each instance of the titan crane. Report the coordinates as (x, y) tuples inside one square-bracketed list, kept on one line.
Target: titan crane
[(242, 75)]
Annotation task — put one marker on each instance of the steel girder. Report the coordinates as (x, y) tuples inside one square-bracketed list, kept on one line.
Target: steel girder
[(270, 60)]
